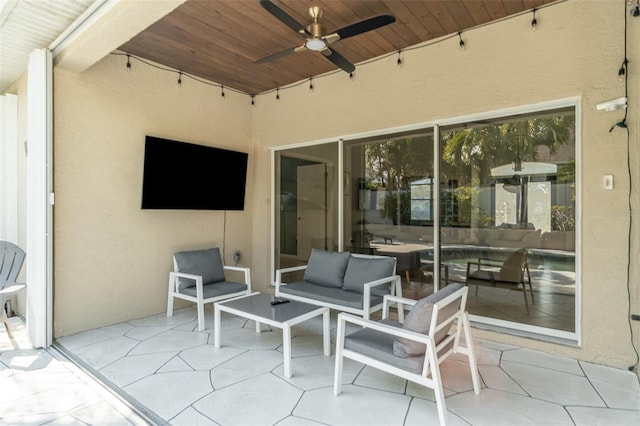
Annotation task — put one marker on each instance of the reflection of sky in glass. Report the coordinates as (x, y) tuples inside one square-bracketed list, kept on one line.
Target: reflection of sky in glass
[(420, 209), (420, 192)]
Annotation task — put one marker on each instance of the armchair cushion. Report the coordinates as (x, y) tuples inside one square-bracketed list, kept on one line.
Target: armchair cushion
[(363, 270), (206, 263), (219, 288), (326, 268), (419, 321), (380, 346)]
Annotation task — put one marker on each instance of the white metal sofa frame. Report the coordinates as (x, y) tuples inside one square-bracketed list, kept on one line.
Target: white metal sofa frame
[(11, 260), (199, 300), (436, 351), (367, 309)]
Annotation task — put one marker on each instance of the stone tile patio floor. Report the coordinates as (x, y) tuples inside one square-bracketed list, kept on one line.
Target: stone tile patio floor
[(162, 370)]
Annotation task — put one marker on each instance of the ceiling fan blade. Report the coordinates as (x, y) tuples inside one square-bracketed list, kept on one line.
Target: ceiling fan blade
[(364, 26), (277, 55), (284, 17), (338, 60)]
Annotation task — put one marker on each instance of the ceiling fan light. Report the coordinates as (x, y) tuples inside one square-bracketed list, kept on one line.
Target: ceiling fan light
[(315, 44)]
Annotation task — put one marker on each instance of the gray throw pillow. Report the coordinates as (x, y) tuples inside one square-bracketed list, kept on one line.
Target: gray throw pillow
[(326, 268), (362, 270), (206, 263), (419, 321)]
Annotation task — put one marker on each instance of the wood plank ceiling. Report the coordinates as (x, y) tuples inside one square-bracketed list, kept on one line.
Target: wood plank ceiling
[(220, 40)]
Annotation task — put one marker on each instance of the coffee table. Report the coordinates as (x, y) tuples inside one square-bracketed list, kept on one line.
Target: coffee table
[(258, 307)]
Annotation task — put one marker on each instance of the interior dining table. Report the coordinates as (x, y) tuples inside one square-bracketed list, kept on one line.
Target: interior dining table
[(409, 259)]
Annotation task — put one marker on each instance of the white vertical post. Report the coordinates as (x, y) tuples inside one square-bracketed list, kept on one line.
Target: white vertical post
[(436, 208), (341, 183), (39, 195), (9, 168)]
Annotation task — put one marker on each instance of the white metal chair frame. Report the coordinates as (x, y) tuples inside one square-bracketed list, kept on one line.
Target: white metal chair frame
[(11, 260), (430, 374), (199, 300)]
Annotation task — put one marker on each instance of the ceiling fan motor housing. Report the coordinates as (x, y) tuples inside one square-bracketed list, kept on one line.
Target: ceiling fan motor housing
[(316, 30)]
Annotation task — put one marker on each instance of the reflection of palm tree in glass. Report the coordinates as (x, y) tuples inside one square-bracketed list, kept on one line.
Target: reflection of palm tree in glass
[(484, 147)]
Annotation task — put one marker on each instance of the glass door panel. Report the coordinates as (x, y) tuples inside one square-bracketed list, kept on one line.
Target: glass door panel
[(508, 218), (388, 204), (306, 200)]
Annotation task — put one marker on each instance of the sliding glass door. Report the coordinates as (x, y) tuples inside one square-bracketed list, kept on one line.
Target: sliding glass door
[(489, 203)]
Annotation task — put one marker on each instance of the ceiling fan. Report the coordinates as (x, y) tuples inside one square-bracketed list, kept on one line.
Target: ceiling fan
[(316, 37)]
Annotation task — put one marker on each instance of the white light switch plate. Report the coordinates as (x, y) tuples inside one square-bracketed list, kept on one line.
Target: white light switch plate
[(608, 182)]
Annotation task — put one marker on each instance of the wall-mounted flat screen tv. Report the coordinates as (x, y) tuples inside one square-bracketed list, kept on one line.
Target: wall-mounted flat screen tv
[(185, 176)]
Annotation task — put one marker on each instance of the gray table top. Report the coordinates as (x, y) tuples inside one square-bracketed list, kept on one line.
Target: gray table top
[(259, 304)]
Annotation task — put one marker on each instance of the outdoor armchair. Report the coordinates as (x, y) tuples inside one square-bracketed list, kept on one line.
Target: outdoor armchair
[(412, 350), (512, 273), (199, 277), (11, 260)]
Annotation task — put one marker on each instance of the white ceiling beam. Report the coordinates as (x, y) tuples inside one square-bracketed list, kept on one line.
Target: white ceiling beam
[(104, 28)]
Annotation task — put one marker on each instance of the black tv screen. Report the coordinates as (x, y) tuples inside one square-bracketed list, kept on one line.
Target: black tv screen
[(185, 176)]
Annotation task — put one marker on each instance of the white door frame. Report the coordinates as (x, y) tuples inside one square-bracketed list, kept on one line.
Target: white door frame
[(39, 198)]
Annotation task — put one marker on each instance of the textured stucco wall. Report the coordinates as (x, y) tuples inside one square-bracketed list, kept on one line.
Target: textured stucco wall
[(575, 52), (112, 259)]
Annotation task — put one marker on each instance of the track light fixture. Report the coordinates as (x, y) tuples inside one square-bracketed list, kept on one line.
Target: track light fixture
[(128, 63), (180, 79), (253, 99), (534, 21), (399, 61), (311, 84), (277, 93), (222, 91)]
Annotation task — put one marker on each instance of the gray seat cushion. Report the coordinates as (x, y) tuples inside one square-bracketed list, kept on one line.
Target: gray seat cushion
[(363, 270), (379, 346), (216, 289), (419, 321), (484, 275), (326, 268), (335, 296), (206, 263)]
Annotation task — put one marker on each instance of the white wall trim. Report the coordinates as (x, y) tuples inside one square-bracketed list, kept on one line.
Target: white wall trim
[(39, 210)]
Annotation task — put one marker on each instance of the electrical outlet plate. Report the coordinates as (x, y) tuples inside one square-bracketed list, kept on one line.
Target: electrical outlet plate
[(237, 256)]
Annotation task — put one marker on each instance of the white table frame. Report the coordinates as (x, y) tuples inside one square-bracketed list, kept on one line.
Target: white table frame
[(285, 326)]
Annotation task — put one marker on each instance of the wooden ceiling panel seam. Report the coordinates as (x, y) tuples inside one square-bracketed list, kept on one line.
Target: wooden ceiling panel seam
[(513, 6), (221, 34), (463, 18), (495, 8)]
